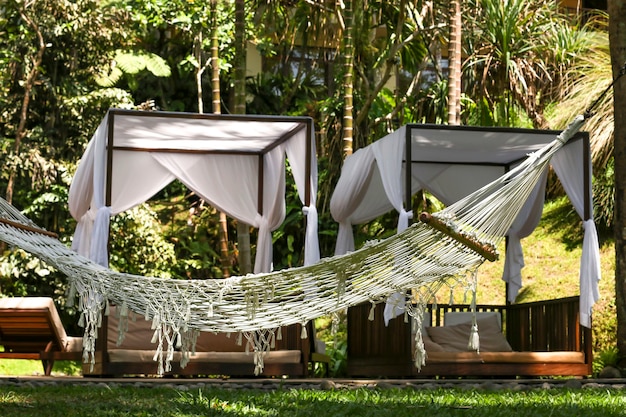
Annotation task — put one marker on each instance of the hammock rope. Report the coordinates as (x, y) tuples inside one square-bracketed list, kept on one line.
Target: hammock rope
[(422, 258)]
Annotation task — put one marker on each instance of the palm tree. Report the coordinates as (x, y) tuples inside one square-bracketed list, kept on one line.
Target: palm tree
[(584, 80), (511, 61), (454, 64), (217, 109), (348, 87)]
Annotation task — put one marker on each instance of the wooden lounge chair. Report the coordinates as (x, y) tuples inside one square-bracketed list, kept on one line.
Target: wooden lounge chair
[(30, 328)]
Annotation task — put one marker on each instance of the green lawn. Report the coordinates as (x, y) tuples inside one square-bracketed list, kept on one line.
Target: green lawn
[(23, 367), (96, 401)]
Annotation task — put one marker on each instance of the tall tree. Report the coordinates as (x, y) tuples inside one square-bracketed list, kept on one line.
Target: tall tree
[(217, 109), (348, 68), (243, 230), (454, 64), (617, 39), (32, 63)]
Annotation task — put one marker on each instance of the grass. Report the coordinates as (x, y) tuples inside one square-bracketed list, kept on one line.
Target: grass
[(96, 401), (22, 367), (552, 260), (552, 257)]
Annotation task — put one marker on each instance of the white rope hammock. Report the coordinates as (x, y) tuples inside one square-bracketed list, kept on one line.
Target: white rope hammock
[(423, 258)]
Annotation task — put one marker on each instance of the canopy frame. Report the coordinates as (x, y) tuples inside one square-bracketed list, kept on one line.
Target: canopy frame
[(248, 136)]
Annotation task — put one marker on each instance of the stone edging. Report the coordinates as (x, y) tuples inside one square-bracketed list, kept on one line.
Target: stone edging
[(318, 384)]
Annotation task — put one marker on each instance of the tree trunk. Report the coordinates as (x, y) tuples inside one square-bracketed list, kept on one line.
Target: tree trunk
[(348, 57), (454, 64), (243, 230), (217, 109), (197, 52), (617, 38), (29, 84)]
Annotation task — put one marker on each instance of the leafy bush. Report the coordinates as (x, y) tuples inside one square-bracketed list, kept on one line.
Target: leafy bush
[(607, 357), (333, 331), (137, 245)]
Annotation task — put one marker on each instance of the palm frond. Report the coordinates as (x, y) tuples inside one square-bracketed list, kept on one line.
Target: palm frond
[(585, 80), (131, 62)]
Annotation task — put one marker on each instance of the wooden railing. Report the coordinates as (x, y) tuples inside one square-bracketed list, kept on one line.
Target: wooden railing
[(540, 326), (375, 349)]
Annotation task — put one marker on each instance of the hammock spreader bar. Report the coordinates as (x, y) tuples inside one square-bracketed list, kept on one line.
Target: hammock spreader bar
[(485, 250), (22, 226)]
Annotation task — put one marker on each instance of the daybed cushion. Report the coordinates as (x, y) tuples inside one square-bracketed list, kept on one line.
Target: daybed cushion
[(429, 345), (210, 347), (452, 318), (455, 338), (506, 357), (139, 336), (138, 356)]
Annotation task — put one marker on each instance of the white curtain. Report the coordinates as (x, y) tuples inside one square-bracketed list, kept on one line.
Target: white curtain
[(356, 175), (228, 182), (567, 163), (524, 224), (388, 153), (294, 149)]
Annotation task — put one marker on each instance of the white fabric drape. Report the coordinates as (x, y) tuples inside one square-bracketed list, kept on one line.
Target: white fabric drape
[(229, 182), (86, 201), (524, 224), (210, 175), (349, 193), (567, 164), (388, 152), (298, 169)]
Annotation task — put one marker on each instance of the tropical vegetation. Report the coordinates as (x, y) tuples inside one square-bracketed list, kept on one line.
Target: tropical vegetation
[(359, 68)]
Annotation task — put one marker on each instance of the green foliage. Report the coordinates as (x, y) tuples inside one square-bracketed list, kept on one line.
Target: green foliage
[(607, 357), (137, 245), (333, 330), (132, 63), (512, 62), (26, 367), (604, 330)]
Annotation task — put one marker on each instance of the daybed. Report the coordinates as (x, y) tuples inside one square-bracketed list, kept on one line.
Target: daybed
[(539, 339), (216, 353), (30, 328)]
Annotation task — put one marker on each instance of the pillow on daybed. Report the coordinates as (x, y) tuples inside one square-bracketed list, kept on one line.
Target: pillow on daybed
[(429, 345), (455, 338)]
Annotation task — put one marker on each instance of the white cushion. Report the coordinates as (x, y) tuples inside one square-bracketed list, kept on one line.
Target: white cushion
[(458, 317)]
